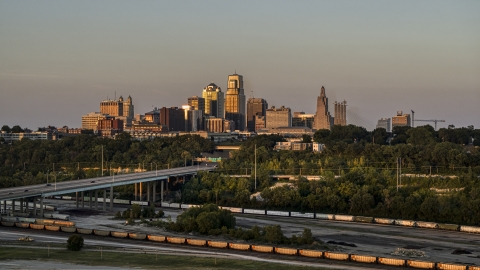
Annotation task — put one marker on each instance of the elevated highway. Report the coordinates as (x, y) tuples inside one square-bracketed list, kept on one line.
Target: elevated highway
[(41, 191)]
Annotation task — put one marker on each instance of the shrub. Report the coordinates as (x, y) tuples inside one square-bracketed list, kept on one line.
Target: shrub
[(75, 242)]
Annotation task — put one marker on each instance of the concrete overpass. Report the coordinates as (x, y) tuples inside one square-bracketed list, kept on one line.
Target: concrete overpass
[(38, 192)]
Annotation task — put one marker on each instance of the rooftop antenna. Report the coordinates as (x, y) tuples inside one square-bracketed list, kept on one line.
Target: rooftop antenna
[(115, 95)]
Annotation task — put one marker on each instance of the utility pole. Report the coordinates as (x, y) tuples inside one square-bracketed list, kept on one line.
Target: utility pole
[(255, 166), (102, 159)]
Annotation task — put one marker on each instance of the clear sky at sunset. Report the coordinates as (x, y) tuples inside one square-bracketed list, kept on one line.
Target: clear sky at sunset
[(59, 59)]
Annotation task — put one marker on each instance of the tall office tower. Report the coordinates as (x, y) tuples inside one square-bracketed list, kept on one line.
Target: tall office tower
[(173, 118), (235, 101), (112, 107), (401, 120), (90, 120), (340, 113), (278, 117), (198, 103), (384, 123), (214, 101), (255, 106), (301, 119), (128, 108), (193, 118), (323, 119)]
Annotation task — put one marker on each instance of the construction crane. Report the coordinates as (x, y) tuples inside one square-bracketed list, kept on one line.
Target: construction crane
[(434, 120)]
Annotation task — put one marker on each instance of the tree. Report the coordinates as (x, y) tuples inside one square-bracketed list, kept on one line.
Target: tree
[(75, 242), (17, 129), (6, 128), (306, 138)]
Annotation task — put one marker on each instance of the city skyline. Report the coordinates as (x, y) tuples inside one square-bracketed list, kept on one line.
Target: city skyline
[(60, 58)]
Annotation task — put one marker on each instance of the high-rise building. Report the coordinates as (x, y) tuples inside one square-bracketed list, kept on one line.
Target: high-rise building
[(255, 107), (401, 120), (153, 116), (90, 120), (173, 118), (119, 109), (340, 113), (301, 119), (278, 117), (323, 119), (193, 118), (214, 101), (109, 127), (235, 101), (198, 103), (384, 123)]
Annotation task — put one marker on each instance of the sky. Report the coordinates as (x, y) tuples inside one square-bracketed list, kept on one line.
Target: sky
[(60, 59)]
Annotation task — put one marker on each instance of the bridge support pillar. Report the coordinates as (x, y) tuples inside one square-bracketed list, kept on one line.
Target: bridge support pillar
[(26, 206), (13, 207), (135, 192), (111, 198), (5, 206), (104, 200), (140, 192), (148, 191), (154, 190), (41, 206), (76, 198), (21, 205), (90, 199), (34, 206), (96, 199), (161, 191), (83, 200)]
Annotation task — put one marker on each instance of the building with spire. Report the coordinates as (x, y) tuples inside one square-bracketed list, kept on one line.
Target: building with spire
[(120, 109), (214, 101), (323, 119), (235, 101)]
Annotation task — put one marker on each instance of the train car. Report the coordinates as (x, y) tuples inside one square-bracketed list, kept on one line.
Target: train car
[(254, 211), (8, 223), (474, 267), (428, 225), (156, 238), (278, 213), (64, 223), (421, 264), (174, 205), (119, 234), (84, 231), (470, 229), (176, 240), (406, 223), (37, 226), (217, 244), (310, 253), (45, 221), (137, 236), (101, 232), (363, 258), (451, 266), (165, 204), (197, 242), (52, 228), (238, 246), (302, 215), (449, 227), (324, 216), (363, 219), (391, 261), (286, 251), (22, 225), (233, 209), (344, 218), (336, 256), (264, 249), (387, 221), (69, 229)]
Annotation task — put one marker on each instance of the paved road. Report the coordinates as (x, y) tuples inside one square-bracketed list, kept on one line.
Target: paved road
[(95, 183)]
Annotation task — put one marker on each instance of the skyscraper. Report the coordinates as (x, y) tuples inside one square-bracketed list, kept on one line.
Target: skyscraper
[(340, 113), (214, 101), (255, 107), (323, 120), (198, 103), (235, 101), (278, 117), (119, 109)]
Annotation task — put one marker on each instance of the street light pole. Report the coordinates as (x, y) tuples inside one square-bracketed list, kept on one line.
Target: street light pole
[(102, 159), (55, 176)]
